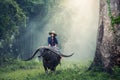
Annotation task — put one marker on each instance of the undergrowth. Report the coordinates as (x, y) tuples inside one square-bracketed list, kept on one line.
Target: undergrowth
[(32, 70)]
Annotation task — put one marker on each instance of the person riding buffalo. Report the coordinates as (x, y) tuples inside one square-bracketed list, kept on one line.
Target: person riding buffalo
[(52, 41)]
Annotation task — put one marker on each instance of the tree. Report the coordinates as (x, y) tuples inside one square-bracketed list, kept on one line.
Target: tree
[(11, 18), (108, 49)]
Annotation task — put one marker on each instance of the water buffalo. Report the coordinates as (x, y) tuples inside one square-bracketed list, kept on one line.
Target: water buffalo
[(50, 57)]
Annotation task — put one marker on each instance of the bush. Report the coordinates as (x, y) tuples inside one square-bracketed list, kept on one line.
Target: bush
[(17, 64)]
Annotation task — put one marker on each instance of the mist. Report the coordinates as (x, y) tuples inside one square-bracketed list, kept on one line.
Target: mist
[(75, 22)]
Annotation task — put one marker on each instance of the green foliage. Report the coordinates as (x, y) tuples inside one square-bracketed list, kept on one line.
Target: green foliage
[(11, 16), (17, 64), (114, 20), (14, 19), (31, 7), (11, 19), (20, 70)]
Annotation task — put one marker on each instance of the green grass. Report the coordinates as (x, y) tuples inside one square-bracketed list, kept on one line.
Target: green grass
[(31, 70)]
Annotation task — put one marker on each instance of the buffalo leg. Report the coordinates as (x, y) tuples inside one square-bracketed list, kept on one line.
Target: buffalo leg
[(45, 67), (46, 70)]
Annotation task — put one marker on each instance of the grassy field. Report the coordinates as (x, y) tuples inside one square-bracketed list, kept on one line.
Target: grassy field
[(32, 70)]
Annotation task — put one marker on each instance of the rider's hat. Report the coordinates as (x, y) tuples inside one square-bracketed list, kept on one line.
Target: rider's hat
[(52, 32)]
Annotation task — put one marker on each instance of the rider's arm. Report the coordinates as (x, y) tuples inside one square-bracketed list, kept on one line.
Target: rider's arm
[(49, 41), (49, 45)]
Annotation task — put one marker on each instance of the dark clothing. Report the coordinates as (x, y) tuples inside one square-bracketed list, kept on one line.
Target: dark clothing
[(53, 41)]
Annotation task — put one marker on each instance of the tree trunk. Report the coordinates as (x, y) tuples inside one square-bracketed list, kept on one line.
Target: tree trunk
[(107, 53)]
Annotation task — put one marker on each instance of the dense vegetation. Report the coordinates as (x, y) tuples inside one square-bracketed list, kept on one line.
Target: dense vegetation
[(34, 71), (15, 16), (11, 19)]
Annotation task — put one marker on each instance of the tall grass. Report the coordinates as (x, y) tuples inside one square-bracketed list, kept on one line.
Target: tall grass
[(32, 70)]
